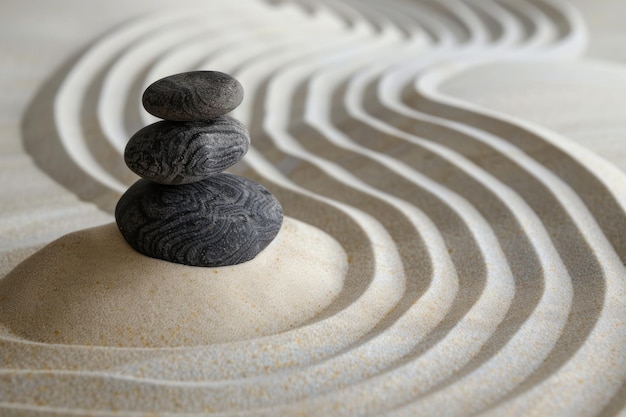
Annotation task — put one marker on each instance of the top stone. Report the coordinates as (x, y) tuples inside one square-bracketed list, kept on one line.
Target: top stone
[(193, 96)]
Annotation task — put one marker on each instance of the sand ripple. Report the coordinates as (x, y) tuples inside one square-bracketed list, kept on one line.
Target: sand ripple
[(486, 254)]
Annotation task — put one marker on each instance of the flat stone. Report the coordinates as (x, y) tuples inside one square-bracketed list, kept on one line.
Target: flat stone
[(185, 152), (223, 220), (193, 96)]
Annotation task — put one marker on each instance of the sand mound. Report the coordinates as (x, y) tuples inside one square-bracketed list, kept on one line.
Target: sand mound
[(90, 288)]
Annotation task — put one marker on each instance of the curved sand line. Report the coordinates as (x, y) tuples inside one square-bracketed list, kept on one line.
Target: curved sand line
[(470, 251), (335, 151)]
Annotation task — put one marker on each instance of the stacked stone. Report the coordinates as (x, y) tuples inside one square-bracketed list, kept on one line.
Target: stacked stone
[(185, 209)]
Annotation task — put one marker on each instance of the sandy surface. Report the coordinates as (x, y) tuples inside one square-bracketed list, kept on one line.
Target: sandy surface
[(91, 288), (459, 167)]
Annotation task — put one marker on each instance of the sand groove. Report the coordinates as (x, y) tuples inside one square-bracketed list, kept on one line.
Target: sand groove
[(486, 267)]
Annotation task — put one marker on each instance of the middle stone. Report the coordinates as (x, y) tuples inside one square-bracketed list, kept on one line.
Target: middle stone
[(175, 153)]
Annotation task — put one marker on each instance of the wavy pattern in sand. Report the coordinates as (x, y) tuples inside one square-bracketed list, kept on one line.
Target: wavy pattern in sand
[(486, 254)]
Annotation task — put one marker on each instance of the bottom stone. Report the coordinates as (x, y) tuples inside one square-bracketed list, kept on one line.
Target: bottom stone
[(223, 220)]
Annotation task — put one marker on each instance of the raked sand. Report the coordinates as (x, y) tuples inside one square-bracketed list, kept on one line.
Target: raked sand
[(450, 247)]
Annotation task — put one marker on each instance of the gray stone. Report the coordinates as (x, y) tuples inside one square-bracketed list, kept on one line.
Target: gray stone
[(193, 96), (223, 220), (185, 152)]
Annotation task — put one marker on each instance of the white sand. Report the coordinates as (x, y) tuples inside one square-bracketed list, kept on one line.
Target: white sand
[(91, 288), (471, 262)]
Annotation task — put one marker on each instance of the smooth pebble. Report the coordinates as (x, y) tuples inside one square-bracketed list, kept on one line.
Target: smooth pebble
[(185, 152), (193, 96), (223, 220)]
